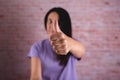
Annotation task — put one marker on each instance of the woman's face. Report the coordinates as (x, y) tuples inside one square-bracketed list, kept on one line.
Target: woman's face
[(52, 17)]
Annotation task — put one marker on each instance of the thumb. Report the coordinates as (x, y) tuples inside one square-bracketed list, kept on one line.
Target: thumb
[(52, 29), (57, 27)]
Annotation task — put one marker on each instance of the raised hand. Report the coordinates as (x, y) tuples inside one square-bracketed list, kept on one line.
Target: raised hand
[(59, 40)]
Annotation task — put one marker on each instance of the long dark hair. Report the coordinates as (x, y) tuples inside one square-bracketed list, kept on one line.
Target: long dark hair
[(65, 26)]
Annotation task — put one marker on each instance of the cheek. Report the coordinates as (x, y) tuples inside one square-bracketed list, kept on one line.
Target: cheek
[(48, 29)]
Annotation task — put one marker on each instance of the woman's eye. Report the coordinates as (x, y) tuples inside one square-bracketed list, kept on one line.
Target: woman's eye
[(50, 21)]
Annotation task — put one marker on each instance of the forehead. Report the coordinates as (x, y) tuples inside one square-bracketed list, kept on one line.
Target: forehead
[(53, 15)]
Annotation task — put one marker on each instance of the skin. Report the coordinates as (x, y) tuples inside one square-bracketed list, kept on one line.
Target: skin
[(61, 43)]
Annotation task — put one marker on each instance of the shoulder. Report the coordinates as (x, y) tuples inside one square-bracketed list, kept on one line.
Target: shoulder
[(40, 44), (37, 48)]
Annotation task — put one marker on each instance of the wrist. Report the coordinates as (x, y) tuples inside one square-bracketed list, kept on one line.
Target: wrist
[(70, 43)]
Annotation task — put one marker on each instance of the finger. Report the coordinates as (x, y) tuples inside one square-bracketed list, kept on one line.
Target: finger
[(52, 29), (60, 47), (58, 36), (59, 42), (62, 52), (56, 27)]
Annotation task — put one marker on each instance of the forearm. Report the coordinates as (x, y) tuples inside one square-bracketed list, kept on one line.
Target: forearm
[(35, 79), (36, 70), (77, 48)]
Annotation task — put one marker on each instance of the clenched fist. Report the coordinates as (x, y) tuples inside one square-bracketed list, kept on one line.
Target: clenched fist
[(59, 40)]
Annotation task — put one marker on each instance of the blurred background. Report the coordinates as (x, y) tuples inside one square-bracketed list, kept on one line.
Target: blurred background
[(96, 23)]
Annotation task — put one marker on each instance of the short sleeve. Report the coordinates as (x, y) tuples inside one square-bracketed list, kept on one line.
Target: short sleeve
[(34, 51), (78, 59)]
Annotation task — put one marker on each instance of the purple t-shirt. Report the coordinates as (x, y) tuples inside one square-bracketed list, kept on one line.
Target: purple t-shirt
[(51, 69)]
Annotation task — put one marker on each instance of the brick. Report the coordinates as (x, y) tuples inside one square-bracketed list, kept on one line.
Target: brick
[(96, 23)]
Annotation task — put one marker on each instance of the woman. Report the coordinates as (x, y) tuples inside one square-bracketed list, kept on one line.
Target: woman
[(54, 58)]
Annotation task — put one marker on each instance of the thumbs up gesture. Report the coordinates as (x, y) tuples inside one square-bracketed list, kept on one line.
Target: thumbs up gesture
[(59, 40)]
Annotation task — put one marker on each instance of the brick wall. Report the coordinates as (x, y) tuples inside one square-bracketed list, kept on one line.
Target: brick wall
[(96, 23)]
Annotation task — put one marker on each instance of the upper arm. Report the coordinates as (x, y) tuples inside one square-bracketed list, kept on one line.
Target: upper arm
[(36, 69)]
